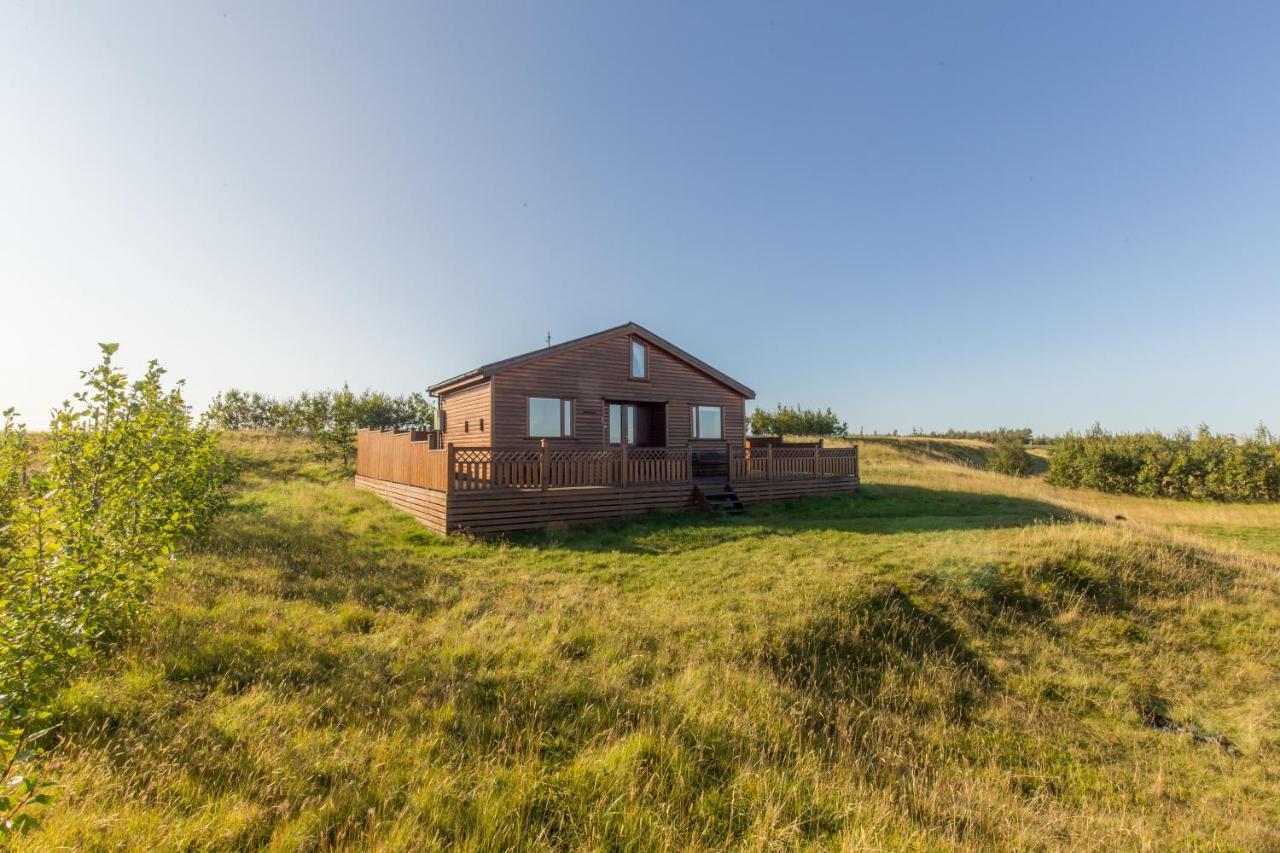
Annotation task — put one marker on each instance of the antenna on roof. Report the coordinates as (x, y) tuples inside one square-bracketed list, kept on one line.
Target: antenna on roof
[(548, 337)]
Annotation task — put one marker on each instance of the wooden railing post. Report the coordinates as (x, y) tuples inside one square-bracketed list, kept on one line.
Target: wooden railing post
[(817, 458), (450, 461), (544, 466), (625, 464), (728, 456), (768, 462), (688, 461)]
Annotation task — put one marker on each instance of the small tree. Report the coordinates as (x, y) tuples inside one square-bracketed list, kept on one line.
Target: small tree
[(1009, 454), (83, 539), (788, 420)]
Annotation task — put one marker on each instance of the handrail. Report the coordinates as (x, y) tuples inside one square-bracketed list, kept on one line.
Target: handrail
[(398, 457)]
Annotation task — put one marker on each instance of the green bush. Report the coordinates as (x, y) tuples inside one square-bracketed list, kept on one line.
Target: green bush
[(85, 532), (785, 420), (1009, 453), (1200, 467), (331, 417)]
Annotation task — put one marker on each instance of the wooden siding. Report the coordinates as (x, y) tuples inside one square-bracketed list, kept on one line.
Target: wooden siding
[(487, 513), (491, 512), (468, 416), (598, 372), (426, 505), (778, 490)]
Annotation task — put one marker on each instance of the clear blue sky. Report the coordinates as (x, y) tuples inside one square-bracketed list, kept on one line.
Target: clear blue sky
[(923, 215)]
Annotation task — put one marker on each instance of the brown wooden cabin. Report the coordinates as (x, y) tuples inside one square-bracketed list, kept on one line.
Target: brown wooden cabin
[(609, 424)]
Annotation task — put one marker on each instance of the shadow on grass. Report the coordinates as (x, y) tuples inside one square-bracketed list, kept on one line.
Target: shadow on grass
[(313, 555), (875, 509), (880, 647)]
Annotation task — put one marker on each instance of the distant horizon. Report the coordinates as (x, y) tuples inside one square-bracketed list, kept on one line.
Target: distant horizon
[(928, 217), (198, 408)]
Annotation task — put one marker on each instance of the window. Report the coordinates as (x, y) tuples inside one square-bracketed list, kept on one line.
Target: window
[(550, 417), (705, 422), (622, 423), (639, 360)]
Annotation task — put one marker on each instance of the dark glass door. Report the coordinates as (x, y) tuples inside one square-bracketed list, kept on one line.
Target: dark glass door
[(638, 424)]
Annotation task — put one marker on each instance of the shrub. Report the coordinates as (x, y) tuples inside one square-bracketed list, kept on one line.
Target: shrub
[(331, 417), (1009, 454), (1200, 467), (785, 420), (83, 539)]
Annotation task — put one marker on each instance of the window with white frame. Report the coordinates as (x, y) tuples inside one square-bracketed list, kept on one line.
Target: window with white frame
[(550, 417), (622, 423), (639, 360), (705, 422)]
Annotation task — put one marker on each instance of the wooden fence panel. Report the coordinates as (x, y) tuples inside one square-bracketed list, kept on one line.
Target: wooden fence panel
[(397, 457), (792, 462), (657, 464), (568, 468)]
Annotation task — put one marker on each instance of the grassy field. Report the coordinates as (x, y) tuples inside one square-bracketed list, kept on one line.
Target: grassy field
[(949, 659)]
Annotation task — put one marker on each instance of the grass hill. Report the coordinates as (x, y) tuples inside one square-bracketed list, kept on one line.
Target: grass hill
[(949, 659)]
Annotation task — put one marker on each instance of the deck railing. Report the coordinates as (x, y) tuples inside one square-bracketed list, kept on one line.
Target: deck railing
[(780, 462), (402, 456), (406, 457)]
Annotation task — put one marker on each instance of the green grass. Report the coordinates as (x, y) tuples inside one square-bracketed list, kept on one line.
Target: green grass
[(1265, 539), (949, 659)]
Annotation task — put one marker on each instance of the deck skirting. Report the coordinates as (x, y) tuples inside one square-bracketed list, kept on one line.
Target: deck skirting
[(495, 510)]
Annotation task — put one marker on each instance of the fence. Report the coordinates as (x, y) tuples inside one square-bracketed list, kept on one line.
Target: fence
[(778, 462), (405, 457), (400, 456)]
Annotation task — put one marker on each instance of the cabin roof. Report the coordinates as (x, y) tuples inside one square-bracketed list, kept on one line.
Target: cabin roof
[(486, 370)]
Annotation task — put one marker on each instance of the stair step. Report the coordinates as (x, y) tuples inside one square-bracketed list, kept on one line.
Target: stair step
[(722, 498)]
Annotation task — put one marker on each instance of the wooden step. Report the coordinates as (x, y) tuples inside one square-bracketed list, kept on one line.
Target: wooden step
[(720, 498)]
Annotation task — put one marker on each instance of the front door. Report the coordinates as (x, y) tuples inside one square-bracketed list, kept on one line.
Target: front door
[(622, 423), (637, 424)]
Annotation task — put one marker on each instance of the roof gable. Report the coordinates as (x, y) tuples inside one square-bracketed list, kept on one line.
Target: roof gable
[(487, 370)]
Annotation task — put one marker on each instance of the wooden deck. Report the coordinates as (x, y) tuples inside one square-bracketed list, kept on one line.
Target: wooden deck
[(486, 489)]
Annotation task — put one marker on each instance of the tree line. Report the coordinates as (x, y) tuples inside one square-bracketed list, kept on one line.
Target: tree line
[(89, 519), (330, 417), (794, 420), (990, 435), (1200, 466)]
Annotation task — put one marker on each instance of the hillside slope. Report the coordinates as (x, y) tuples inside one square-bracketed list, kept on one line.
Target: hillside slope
[(950, 658)]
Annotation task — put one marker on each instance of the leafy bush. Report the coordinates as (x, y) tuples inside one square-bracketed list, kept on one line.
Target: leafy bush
[(83, 538), (1009, 453), (785, 420), (331, 417), (1200, 467)]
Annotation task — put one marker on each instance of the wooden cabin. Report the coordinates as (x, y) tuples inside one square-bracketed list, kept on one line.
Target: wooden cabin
[(614, 423)]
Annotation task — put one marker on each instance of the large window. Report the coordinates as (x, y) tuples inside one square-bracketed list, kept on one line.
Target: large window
[(705, 422), (639, 360), (550, 417)]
